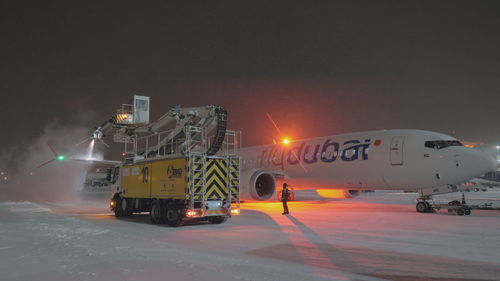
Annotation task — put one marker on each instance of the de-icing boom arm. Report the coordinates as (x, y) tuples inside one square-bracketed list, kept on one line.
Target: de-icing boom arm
[(100, 130), (203, 116)]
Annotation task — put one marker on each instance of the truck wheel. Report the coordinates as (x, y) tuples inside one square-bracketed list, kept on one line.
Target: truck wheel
[(156, 212), (460, 212), (217, 220), (172, 215), (126, 207), (467, 212), (121, 209)]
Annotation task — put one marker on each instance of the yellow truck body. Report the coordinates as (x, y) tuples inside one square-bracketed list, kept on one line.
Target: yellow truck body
[(179, 189), (158, 179), (169, 179)]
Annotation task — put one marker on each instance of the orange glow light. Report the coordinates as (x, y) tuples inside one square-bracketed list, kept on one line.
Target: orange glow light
[(190, 213), (331, 193), (122, 117), (235, 212), (285, 141)]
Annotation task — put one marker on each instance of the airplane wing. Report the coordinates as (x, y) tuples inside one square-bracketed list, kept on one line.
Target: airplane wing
[(95, 161)]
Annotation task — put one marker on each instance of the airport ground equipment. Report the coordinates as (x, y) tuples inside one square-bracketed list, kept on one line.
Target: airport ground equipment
[(459, 207), (96, 182), (423, 204), (453, 206), (190, 172)]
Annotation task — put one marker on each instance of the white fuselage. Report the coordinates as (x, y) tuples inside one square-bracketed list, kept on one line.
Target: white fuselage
[(386, 159)]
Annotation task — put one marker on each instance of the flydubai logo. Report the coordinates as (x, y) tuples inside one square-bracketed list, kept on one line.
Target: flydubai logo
[(172, 172), (308, 153)]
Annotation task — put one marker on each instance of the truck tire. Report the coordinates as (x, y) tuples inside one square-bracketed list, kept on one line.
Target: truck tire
[(121, 209), (172, 215), (217, 220), (156, 211)]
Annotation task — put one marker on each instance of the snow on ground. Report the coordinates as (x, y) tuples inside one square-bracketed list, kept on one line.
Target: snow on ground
[(376, 236)]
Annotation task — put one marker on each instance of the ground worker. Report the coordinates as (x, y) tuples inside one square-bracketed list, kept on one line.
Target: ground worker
[(285, 194)]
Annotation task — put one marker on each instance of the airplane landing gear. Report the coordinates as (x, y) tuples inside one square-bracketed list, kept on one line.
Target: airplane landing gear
[(424, 207), (421, 207)]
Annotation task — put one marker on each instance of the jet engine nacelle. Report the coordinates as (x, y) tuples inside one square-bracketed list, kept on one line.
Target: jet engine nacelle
[(337, 193), (261, 185)]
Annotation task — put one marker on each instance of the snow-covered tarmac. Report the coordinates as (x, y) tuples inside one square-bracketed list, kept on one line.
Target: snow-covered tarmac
[(376, 236)]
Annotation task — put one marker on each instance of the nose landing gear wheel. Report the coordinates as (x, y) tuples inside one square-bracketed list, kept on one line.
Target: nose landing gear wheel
[(422, 207)]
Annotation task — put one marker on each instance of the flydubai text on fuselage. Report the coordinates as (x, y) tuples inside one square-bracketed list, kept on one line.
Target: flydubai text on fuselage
[(387, 159)]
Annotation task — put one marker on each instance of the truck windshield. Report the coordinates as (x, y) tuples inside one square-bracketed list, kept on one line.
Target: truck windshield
[(440, 144), (116, 173)]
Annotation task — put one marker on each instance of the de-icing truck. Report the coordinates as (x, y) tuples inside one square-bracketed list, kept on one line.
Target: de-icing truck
[(189, 172)]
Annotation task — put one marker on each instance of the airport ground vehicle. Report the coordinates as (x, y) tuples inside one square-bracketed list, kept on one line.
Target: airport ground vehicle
[(188, 173), (95, 182), (197, 187), (453, 206)]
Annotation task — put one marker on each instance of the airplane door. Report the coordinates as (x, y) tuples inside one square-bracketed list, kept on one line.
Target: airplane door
[(397, 150)]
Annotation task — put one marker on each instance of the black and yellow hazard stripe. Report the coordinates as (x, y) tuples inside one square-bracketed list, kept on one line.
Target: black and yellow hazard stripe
[(195, 163), (215, 179), (234, 168)]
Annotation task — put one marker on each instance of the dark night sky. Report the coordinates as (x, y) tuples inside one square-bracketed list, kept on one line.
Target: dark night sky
[(319, 67)]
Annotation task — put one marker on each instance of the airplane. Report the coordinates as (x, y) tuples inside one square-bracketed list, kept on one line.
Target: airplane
[(430, 162)]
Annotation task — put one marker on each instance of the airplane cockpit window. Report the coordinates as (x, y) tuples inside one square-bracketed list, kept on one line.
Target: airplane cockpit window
[(440, 144)]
